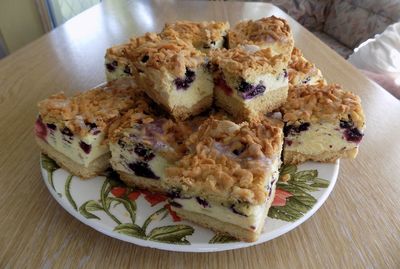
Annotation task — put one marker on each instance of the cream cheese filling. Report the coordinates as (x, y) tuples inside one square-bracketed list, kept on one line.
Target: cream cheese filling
[(70, 146), (319, 138)]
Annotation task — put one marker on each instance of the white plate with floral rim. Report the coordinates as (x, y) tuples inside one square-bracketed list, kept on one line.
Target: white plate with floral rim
[(143, 218)]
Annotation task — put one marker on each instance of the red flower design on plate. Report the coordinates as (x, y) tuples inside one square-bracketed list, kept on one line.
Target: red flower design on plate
[(280, 197)]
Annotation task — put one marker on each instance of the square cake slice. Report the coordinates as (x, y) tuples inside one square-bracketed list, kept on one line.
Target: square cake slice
[(270, 32), (174, 74), (117, 62), (142, 145), (322, 123), (72, 130), (203, 36), (227, 181), (249, 82), (302, 72)]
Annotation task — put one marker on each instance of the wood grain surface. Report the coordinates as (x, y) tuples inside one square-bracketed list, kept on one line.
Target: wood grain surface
[(358, 226)]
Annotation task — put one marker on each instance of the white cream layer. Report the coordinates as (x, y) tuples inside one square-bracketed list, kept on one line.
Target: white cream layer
[(319, 138), (71, 148)]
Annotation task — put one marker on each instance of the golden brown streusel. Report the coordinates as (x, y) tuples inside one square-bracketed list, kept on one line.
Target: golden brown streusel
[(200, 34), (267, 29), (100, 105), (243, 63), (300, 68), (313, 103), (228, 161)]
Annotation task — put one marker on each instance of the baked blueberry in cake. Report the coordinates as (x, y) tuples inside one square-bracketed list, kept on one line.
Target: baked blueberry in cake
[(249, 81), (203, 36), (72, 130), (322, 123), (227, 179), (301, 71), (270, 32)]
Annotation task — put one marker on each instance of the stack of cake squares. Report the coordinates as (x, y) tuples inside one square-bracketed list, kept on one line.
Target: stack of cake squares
[(185, 111)]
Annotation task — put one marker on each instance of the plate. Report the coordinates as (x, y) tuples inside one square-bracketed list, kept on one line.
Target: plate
[(143, 218)]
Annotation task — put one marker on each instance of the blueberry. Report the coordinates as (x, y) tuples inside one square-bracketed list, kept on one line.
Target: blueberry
[(144, 152), (305, 81), (202, 202), (85, 147), (51, 126), (184, 83), (346, 124), (142, 169), (225, 43), (239, 151), (353, 135), (285, 73), (91, 125), (291, 129), (145, 58), (250, 91), (174, 194), (111, 66), (237, 212), (127, 70), (121, 143), (66, 131)]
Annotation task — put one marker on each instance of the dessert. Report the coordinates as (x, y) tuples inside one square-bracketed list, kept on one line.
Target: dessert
[(301, 71), (117, 63), (226, 182), (202, 35), (142, 145), (248, 81), (172, 72), (322, 123), (72, 130), (270, 32)]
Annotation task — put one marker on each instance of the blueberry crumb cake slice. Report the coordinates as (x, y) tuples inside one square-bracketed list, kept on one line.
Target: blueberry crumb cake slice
[(301, 71), (203, 36), (227, 181), (142, 145), (322, 123), (72, 130), (270, 32), (248, 81), (174, 74)]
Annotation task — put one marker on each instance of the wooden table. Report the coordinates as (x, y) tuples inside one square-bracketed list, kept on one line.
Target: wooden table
[(358, 227)]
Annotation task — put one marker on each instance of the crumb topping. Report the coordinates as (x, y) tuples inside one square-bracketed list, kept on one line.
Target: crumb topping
[(267, 29), (243, 62), (158, 132), (98, 106), (229, 161), (172, 53), (312, 103), (200, 34), (299, 64)]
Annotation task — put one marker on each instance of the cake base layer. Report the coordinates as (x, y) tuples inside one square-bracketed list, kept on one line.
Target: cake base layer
[(251, 109), (95, 168), (153, 185), (219, 226), (294, 157)]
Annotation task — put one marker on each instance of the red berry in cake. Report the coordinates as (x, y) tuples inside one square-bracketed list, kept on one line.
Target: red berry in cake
[(40, 128)]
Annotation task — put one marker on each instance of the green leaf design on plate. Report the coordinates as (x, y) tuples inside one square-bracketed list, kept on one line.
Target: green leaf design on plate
[(159, 214), (50, 166), (288, 169), (298, 184), (130, 229), (68, 192), (171, 234), (129, 205), (106, 201), (222, 238), (90, 205)]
